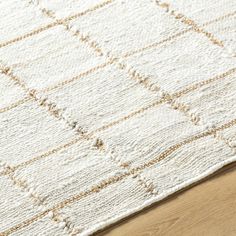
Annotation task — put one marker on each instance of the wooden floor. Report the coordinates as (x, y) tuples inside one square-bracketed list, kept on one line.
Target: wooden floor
[(206, 209)]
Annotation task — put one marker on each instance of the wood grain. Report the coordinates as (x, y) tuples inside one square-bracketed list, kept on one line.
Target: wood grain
[(206, 209)]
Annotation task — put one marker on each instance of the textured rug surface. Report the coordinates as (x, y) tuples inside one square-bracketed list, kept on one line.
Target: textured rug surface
[(107, 106)]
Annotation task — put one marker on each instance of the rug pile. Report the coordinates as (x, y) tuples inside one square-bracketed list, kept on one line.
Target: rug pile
[(107, 106)]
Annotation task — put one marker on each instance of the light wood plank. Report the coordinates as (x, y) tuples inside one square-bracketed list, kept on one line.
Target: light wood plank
[(206, 209)]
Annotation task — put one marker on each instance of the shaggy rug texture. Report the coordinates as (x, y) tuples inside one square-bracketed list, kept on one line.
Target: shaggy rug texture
[(107, 106)]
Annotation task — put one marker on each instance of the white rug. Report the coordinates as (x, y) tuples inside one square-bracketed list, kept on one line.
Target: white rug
[(107, 106)]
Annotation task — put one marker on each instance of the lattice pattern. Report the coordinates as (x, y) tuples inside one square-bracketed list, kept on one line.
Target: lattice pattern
[(110, 105)]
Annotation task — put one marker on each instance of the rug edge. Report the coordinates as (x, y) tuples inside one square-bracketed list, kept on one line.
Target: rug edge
[(104, 224)]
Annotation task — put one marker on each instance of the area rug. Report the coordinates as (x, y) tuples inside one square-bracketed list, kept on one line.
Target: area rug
[(108, 106)]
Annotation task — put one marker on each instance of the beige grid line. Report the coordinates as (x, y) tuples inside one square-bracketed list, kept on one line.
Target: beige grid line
[(112, 180), (56, 23), (133, 73), (144, 182), (143, 80), (221, 18), (23, 185), (97, 49), (174, 104), (19, 82), (81, 75), (187, 21), (37, 200), (194, 118), (155, 44), (83, 38), (52, 109), (147, 185), (23, 86), (15, 104), (227, 141), (125, 55), (131, 53), (184, 19), (177, 94), (56, 113), (182, 107)]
